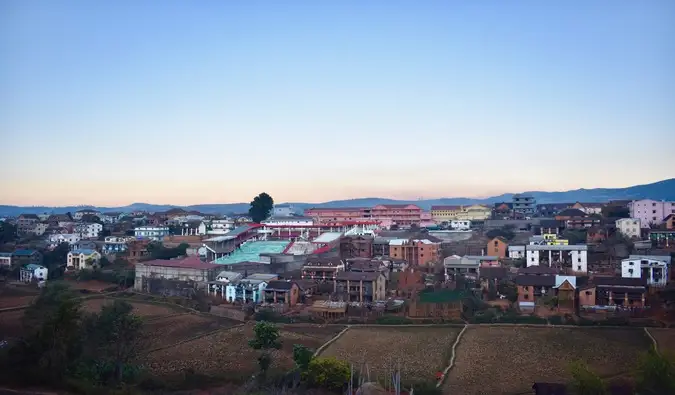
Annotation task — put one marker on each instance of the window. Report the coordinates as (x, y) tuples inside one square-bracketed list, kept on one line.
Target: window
[(526, 296), (579, 267)]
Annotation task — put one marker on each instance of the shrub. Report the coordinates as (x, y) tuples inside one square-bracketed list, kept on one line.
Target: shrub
[(330, 373)]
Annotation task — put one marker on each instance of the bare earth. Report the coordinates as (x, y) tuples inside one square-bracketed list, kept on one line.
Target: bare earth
[(420, 351), (665, 338), (173, 329), (141, 309), (508, 360)]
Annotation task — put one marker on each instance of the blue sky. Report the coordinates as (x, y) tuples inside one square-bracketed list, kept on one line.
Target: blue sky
[(181, 102)]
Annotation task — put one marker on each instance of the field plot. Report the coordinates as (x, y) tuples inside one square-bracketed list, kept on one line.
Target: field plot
[(10, 323), (145, 310), (16, 296), (665, 338), (224, 352), (508, 360), (172, 329), (421, 351), (322, 332)]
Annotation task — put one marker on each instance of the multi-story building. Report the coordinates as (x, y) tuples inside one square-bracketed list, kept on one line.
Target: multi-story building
[(404, 215), (81, 213), (25, 223), (151, 232), (322, 268), (356, 247), (589, 208), (5, 259), (498, 246), (524, 204), (110, 217), (39, 229), (88, 230), (650, 211), (476, 212), (456, 224), (629, 227), (115, 244), (58, 238), (83, 259), (284, 210), (445, 213), (414, 251), (288, 221), (338, 214), (25, 257), (653, 268), (360, 286)]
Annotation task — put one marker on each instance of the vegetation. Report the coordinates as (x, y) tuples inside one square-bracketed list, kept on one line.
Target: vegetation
[(575, 236), (585, 381), (612, 211), (656, 373), (261, 207), (55, 260), (8, 232), (266, 337), (329, 373), (302, 356), (505, 231), (158, 251)]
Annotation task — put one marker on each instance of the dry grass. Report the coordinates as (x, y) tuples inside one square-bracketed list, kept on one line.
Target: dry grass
[(421, 351), (665, 338), (503, 360), (145, 310), (17, 296), (225, 351), (10, 324), (170, 330)]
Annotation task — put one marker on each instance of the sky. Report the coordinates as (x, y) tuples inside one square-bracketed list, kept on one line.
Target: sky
[(187, 102)]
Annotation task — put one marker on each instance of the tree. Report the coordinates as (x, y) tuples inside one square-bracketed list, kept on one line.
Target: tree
[(585, 381), (112, 341), (656, 373), (613, 211), (261, 206), (55, 260), (302, 356), (575, 236), (330, 373), (266, 338), (8, 232), (508, 289)]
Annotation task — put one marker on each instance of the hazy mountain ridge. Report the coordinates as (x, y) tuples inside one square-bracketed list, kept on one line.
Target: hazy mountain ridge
[(662, 190)]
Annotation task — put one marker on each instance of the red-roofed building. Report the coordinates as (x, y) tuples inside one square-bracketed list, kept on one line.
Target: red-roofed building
[(338, 214), (191, 269), (403, 215)]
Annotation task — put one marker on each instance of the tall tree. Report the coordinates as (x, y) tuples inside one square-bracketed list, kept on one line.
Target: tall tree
[(7, 232), (261, 207), (266, 339)]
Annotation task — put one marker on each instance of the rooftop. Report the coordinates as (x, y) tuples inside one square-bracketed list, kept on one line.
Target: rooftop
[(192, 262), (328, 237), (251, 251), (279, 285), (85, 251), (24, 252), (357, 276)]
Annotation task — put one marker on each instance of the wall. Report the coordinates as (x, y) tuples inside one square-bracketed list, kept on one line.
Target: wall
[(650, 211)]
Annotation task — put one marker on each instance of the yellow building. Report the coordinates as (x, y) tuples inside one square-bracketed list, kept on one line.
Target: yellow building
[(445, 213), (476, 212), (553, 240)]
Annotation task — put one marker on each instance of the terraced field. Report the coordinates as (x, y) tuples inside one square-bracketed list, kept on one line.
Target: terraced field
[(145, 310), (665, 339), (509, 359), (419, 351), (169, 330)]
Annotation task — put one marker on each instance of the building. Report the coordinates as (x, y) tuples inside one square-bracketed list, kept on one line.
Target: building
[(39, 229), (190, 269), (403, 215), (360, 286), (438, 304), (89, 230), (650, 211), (324, 269), (356, 247), (415, 251), (516, 252), (115, 244), (282, 291), (219, 226), (25, 223), (532, 287), (81, 213), (83, 259), (457, 224), (229, 277), (498, 246), (662, 238), (589, 208), (137, 250), (445, 213), (574, 257), (288, 221), (110, 217), (476, 212), (502, 210), (653, 268), (284, 210), (151, 232), (455, 265), (245, 291), (576, 219), (25, 257), (524, 204), (670, 222), (5, 259), (602, 292), (32, 271), (629, 227), (60, 238), (338, 214)]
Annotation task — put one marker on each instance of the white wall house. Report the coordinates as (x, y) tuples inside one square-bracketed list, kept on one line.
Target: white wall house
[(283, 210), (654, 268), (574, 255), (6, 259), (460, 225), (219, 226), (89, 230), (516, 252), (32, 271), (151, 232), (81, 213), (82, 259), (288, 221), (629, 227), (70, 238)]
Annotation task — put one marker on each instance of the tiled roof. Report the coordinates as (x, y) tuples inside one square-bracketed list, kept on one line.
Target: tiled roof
[(618, 281), (24, 252), (279, 285), (188, 263), (571, 212)]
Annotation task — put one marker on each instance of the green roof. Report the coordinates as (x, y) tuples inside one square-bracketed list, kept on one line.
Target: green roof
[(250, 252), (441, 296)]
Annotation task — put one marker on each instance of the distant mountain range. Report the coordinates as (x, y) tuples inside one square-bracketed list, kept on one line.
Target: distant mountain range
[(662, 190)]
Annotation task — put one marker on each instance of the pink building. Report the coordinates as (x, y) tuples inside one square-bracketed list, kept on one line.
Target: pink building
[(338, 214), (401, 214), (650, 211)]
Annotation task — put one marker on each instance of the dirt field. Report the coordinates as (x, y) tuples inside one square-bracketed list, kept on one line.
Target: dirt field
[(421, 351), (142, 309), (507, 360), (225, 353), (10, 324), (15, 296), (665, 338), (175, 328)]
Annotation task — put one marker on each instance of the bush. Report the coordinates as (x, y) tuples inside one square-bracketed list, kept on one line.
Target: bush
[(329, 373)]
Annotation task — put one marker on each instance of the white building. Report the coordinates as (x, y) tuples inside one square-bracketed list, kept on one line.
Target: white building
[(70, 238), (81, 213), (288, 221), (576, 255), (654, 268), (283, 210), (460, 225), (89, 230), (82, 259), (219, 226), (516, 252), (650, 211), (32, 271), (151, 232), (39, 229), (629, 227), (6, 259)]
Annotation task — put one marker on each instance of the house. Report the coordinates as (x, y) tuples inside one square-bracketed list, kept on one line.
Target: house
[(360, 286), (440, 304), (229, 277), (476, 212), (570, 213), (32, 271), (324, 269), (137, 250), (115, 244), (629, 227), (39, 229), (532, 287), (596, 235), (283, 210), (288, 221), (59, 238), (551, 209), (415, 251), (245, 291), (572, 256), (356, 247), (549, 239), (409, 282), (485, 260), (654, 268), (524, 204), (650, 212), (193, 228), (149, 274), (502, 210), (81, 213), (58, 219), (670, 222), (5, 259), (498, 246), (151, 232), (219, 227), (455, 265), (25, 223), (88, 230), (491, 276), (589, 208), (83, 259), (516, 252), (24, 257), (463, 225), (282, 291), (445, 213), (362, 265), (84, 245), (613, 291), (110, 217)]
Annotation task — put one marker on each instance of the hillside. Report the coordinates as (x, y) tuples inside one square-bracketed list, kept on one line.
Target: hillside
[(662, 190)]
